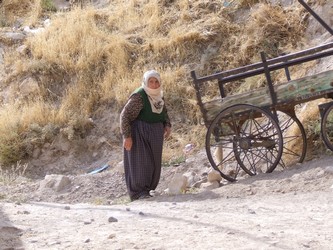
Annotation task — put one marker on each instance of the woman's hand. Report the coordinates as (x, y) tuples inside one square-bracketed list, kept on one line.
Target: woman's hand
[(167, 132), (127, 143)]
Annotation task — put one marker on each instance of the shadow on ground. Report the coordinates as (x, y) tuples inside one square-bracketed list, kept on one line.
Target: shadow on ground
[(9, 234)]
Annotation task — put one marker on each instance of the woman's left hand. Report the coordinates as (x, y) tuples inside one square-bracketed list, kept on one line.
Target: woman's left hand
[(167, 132)]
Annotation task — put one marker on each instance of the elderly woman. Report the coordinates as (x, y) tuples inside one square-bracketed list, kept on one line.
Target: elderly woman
[(144, 123)]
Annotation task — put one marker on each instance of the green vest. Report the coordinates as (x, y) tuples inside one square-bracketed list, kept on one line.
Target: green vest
[(146, 114)]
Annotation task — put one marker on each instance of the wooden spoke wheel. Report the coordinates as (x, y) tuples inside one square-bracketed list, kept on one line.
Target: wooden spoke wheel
[(327, 126), (294, 140), (243, 137)]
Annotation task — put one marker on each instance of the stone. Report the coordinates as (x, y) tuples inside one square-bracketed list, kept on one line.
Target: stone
[(12, 37), (191, 178), (23, 49), (214, 175), (56, 182), (112, 219), (177, 185)]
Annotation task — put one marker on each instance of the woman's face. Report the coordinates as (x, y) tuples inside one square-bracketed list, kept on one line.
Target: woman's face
[(153, 83)]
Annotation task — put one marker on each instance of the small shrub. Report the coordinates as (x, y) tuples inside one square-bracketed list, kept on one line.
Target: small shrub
[(48, 5), (9, 175)]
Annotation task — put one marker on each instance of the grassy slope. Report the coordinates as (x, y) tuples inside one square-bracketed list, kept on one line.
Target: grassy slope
[(89, 60)]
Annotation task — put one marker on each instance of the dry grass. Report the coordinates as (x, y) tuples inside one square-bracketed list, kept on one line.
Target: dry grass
[(12, 9), (31, 11), (87, 58), (9, 175), (269, 29)]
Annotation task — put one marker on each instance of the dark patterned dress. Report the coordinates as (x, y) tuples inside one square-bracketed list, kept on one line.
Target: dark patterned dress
[(142, 163)]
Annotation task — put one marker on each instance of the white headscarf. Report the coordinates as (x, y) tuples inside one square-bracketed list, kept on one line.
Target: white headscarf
[(155, 96)]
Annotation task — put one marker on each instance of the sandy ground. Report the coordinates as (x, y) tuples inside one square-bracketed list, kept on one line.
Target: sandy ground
[(292, 209)]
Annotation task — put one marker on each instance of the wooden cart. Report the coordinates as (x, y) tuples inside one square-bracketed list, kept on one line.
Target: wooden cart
[(258, 130)]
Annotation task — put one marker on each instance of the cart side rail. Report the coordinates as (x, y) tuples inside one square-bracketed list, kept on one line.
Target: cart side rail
[(289, 93), (264, 67)]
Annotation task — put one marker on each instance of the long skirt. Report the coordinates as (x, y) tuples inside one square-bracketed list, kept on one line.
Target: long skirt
[(143, 162)]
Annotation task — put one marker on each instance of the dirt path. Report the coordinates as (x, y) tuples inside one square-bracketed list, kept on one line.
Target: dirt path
[(277, 221), (292, 209)]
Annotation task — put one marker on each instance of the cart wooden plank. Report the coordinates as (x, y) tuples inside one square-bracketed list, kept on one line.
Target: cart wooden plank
[(292, 92)]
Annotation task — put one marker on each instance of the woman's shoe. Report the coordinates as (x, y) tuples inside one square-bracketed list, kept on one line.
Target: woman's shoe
[(145, 196)]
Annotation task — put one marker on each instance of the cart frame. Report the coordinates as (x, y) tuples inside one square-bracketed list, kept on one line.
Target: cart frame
[(244, 134)]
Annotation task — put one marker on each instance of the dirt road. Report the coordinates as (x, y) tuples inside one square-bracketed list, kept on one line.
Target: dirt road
[(292, 209)]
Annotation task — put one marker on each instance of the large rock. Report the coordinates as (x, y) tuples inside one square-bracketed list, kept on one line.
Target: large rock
[(55, 182), (177, 185)]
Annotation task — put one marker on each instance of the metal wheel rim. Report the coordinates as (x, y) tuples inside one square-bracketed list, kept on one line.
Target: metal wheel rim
[(230, 142)]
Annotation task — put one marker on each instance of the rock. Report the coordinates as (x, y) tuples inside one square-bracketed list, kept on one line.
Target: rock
[(191, 178), (112, 219), (55, 182), (11, 38), (23, 49), (199, 183), (111, 236), (213, 176), (177, 185)]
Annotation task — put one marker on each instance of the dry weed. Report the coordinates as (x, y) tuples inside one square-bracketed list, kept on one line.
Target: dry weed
[(9, 175)]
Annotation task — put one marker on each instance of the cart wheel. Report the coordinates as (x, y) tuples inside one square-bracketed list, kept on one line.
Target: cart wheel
[(243, 137), (294, 140), (327, 127)]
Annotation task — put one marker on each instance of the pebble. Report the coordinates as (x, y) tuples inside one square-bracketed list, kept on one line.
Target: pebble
[(111, 236), (250, 211), (55, 243), (112, 219)]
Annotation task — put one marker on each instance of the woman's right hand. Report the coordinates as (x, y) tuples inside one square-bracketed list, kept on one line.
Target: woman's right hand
[(127, 143)]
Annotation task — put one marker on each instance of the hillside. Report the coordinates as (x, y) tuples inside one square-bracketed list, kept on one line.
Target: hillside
[(49, 131), (60, 114), (61, 96)]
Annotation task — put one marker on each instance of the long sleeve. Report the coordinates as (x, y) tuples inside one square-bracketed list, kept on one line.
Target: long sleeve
[(129, 113), (167, 119)]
